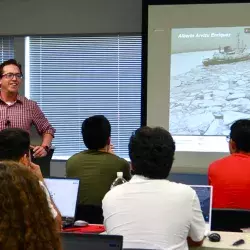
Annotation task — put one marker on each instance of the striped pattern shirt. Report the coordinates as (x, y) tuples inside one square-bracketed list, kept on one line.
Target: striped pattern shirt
[(23, 114)]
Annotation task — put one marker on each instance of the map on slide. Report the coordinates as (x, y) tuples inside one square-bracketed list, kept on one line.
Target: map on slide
[(209, 80)]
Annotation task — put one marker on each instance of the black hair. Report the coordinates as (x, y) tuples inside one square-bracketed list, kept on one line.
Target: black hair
[(151, 151), (10, 62), (240, 134), (96, 132), (14, 144)]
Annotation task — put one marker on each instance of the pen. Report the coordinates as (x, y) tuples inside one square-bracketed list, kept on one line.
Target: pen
[(238, 242)]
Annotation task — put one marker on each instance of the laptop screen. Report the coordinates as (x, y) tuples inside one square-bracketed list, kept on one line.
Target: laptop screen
[(71, 241), (204, 194), (64, 193)]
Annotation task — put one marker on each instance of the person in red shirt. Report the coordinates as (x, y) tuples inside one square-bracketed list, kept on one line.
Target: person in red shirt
[(230, 176)]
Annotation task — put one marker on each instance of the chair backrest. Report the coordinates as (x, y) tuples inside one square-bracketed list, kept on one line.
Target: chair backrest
[(231, 220), (44, 162), (73, 241), (90, 213)]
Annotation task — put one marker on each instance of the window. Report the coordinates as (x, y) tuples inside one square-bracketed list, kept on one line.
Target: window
[(72, 78), (6, 48)]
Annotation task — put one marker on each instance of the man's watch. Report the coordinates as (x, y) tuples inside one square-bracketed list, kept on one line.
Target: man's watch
[(46, 148)]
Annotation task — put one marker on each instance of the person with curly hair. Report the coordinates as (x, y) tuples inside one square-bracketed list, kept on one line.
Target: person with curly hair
[(15, 146), (26, 222)]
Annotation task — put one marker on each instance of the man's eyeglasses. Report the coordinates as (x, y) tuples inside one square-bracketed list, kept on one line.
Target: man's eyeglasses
[(228, 138), (12, 75)]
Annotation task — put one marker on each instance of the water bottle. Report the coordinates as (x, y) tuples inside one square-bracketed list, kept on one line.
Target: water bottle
[(119, 180)]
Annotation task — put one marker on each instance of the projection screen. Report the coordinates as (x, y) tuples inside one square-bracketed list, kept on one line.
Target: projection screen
[(198, 77)]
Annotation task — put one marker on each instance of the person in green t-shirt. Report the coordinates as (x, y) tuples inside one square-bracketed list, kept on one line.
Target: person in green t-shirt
[(97, 166)]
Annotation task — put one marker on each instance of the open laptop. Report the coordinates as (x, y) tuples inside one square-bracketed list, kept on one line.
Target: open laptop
[(73, 241), (205, 195), (64, 192)]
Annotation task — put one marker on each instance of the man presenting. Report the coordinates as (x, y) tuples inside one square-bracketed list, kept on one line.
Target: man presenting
[(17, 111)]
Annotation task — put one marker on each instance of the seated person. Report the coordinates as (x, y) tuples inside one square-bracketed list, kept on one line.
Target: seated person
[(97, 166), (25, 218), (15, 146), (229, 176), (150, 211)]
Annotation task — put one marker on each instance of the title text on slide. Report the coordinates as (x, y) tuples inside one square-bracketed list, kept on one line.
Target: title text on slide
[(205, 35)]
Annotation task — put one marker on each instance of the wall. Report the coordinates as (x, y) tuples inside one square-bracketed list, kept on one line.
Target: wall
[(26, 17)]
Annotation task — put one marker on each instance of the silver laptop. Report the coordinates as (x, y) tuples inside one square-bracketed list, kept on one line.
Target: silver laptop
[(64, 192), (205, 195)]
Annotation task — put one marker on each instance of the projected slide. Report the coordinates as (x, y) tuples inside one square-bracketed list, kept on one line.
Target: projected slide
[(210, 80)]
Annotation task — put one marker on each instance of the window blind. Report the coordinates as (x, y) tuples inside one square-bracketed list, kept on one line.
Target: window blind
[(72, 78), (6, 48)]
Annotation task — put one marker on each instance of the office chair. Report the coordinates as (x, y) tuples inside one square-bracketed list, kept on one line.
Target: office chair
[(231, 220), (44, 162), (90, 213)]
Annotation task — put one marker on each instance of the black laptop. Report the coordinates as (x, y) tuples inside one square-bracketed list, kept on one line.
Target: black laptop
[(74, 241)]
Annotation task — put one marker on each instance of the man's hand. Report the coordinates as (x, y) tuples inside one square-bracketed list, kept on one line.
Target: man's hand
[(35, 169), (39, 151)]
